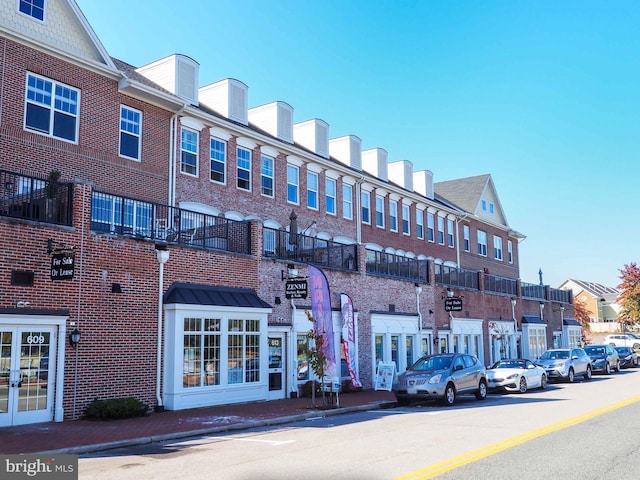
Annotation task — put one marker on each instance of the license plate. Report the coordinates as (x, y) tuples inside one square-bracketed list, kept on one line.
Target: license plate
[(412, 391)]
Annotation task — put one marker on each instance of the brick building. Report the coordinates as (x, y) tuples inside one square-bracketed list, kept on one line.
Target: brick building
[(162, 222)]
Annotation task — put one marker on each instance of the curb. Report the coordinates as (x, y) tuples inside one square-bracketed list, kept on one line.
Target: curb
[(98, 447)]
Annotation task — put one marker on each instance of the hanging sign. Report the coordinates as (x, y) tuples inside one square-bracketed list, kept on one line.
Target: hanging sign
[(453, 304), (296, 288), (62, 266)]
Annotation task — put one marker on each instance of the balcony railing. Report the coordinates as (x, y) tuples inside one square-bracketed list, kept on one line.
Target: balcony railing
[(530, 290), (33, 198), (557, 295), (152, 221), (496, 284), (397, 266), (305, 249), (454, 277)]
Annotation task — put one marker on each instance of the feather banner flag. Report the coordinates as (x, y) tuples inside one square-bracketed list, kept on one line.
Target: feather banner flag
[(321, 309), (349, 338)]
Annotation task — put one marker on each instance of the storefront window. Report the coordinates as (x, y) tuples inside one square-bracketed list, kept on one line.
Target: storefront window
[(243, 351), (303, 357), (379, 350), (201, 352)]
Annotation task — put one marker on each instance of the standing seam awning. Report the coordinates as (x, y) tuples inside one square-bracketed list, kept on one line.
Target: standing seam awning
[(532, 319), (570, 322), (194, 294)]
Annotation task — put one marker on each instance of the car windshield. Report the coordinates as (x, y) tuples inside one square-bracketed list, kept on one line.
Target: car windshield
[(623, 349), (432, 363), (508, 364), (555, 355), (595, 350)]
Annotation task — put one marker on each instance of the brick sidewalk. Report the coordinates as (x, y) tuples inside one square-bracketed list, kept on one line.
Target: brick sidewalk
[(82, 436)]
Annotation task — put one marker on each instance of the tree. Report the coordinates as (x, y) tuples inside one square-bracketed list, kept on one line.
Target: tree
[(582, 315), (316, 357), (629, 299)]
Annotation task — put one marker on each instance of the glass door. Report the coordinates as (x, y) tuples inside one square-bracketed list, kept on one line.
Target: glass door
[(276, 366), (26, 374)]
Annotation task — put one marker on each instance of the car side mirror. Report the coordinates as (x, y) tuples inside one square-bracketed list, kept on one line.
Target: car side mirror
[(575, 357), (457, 367)]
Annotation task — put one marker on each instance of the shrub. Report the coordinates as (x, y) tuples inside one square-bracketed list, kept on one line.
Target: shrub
[(306, 389), (116, 408)]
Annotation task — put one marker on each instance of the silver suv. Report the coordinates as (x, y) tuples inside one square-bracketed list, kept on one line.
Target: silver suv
[(565, 364), (623, 340)]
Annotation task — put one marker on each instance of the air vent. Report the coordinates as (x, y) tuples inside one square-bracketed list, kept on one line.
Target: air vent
[(21, 278)]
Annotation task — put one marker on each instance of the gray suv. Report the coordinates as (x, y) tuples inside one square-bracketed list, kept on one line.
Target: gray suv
[(565, 364)]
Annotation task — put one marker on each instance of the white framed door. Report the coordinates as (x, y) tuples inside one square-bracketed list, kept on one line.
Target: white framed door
[(277, 358), (27, 374)]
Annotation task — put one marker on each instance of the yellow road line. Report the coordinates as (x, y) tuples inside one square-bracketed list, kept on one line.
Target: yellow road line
[(455, 462)]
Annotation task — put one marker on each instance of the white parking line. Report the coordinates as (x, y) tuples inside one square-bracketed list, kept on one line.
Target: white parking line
[(269, 442)]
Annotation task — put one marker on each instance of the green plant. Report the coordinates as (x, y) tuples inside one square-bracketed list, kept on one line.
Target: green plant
[(306, 389), (116, 408), (53, 178)]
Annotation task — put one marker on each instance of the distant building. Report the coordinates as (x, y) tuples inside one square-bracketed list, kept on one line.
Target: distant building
[(600, 301)]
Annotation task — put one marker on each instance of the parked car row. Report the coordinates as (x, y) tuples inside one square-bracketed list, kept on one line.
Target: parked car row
[(443, 377)]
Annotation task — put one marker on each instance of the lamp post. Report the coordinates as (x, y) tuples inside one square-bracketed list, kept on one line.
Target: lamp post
[(541, 310), (162, 253)]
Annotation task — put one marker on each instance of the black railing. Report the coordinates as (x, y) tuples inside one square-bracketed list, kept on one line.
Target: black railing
[(496, 284), (152, 221), (454, 277), (305, 249), (33, 198), (530, 290), (397, 266), (557, 295)]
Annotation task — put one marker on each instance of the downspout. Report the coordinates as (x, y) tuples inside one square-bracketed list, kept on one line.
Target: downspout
[(163, 255), (173, 142), (358, 215)]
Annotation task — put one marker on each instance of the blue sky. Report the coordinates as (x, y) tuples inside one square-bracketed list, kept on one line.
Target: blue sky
[(544, 96)]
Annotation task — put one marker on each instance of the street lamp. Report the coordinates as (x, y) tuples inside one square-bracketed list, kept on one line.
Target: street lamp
[(541, 310)]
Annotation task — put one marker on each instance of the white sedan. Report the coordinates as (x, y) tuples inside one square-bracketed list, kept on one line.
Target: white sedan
[(515, 375)]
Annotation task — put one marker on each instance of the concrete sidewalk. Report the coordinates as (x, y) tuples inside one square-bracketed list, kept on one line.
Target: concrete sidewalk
[(84, 436)]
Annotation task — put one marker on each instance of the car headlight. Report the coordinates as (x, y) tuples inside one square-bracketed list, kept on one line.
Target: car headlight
[(628, 357), (436, 378), (512, 376)]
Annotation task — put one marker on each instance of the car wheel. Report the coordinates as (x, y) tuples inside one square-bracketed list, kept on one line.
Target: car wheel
[(618, 366), (571, 376), (481, 394), (588, 374), (522, 386), (607, 369), (543, 382), (449, 395), (636, 346)]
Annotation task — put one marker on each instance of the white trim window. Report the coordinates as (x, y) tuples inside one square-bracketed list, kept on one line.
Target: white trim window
[(189, 151), (243, 351), (406, 222), (430, 227), (293, 184), (202, 352), (130, 132), (266, 175), (466, 234), (366, 207), (218, 157), (393, 216), (379, 211), (243, 165), (420, 224), (32, 8), (497, 248), (440, 230), (482, 243), (510, 251), (51, 108), (450, 233), (312, 190), (331, 188), (347, 201)]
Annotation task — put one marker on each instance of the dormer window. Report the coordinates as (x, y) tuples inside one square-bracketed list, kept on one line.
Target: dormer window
[(32, 8)]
